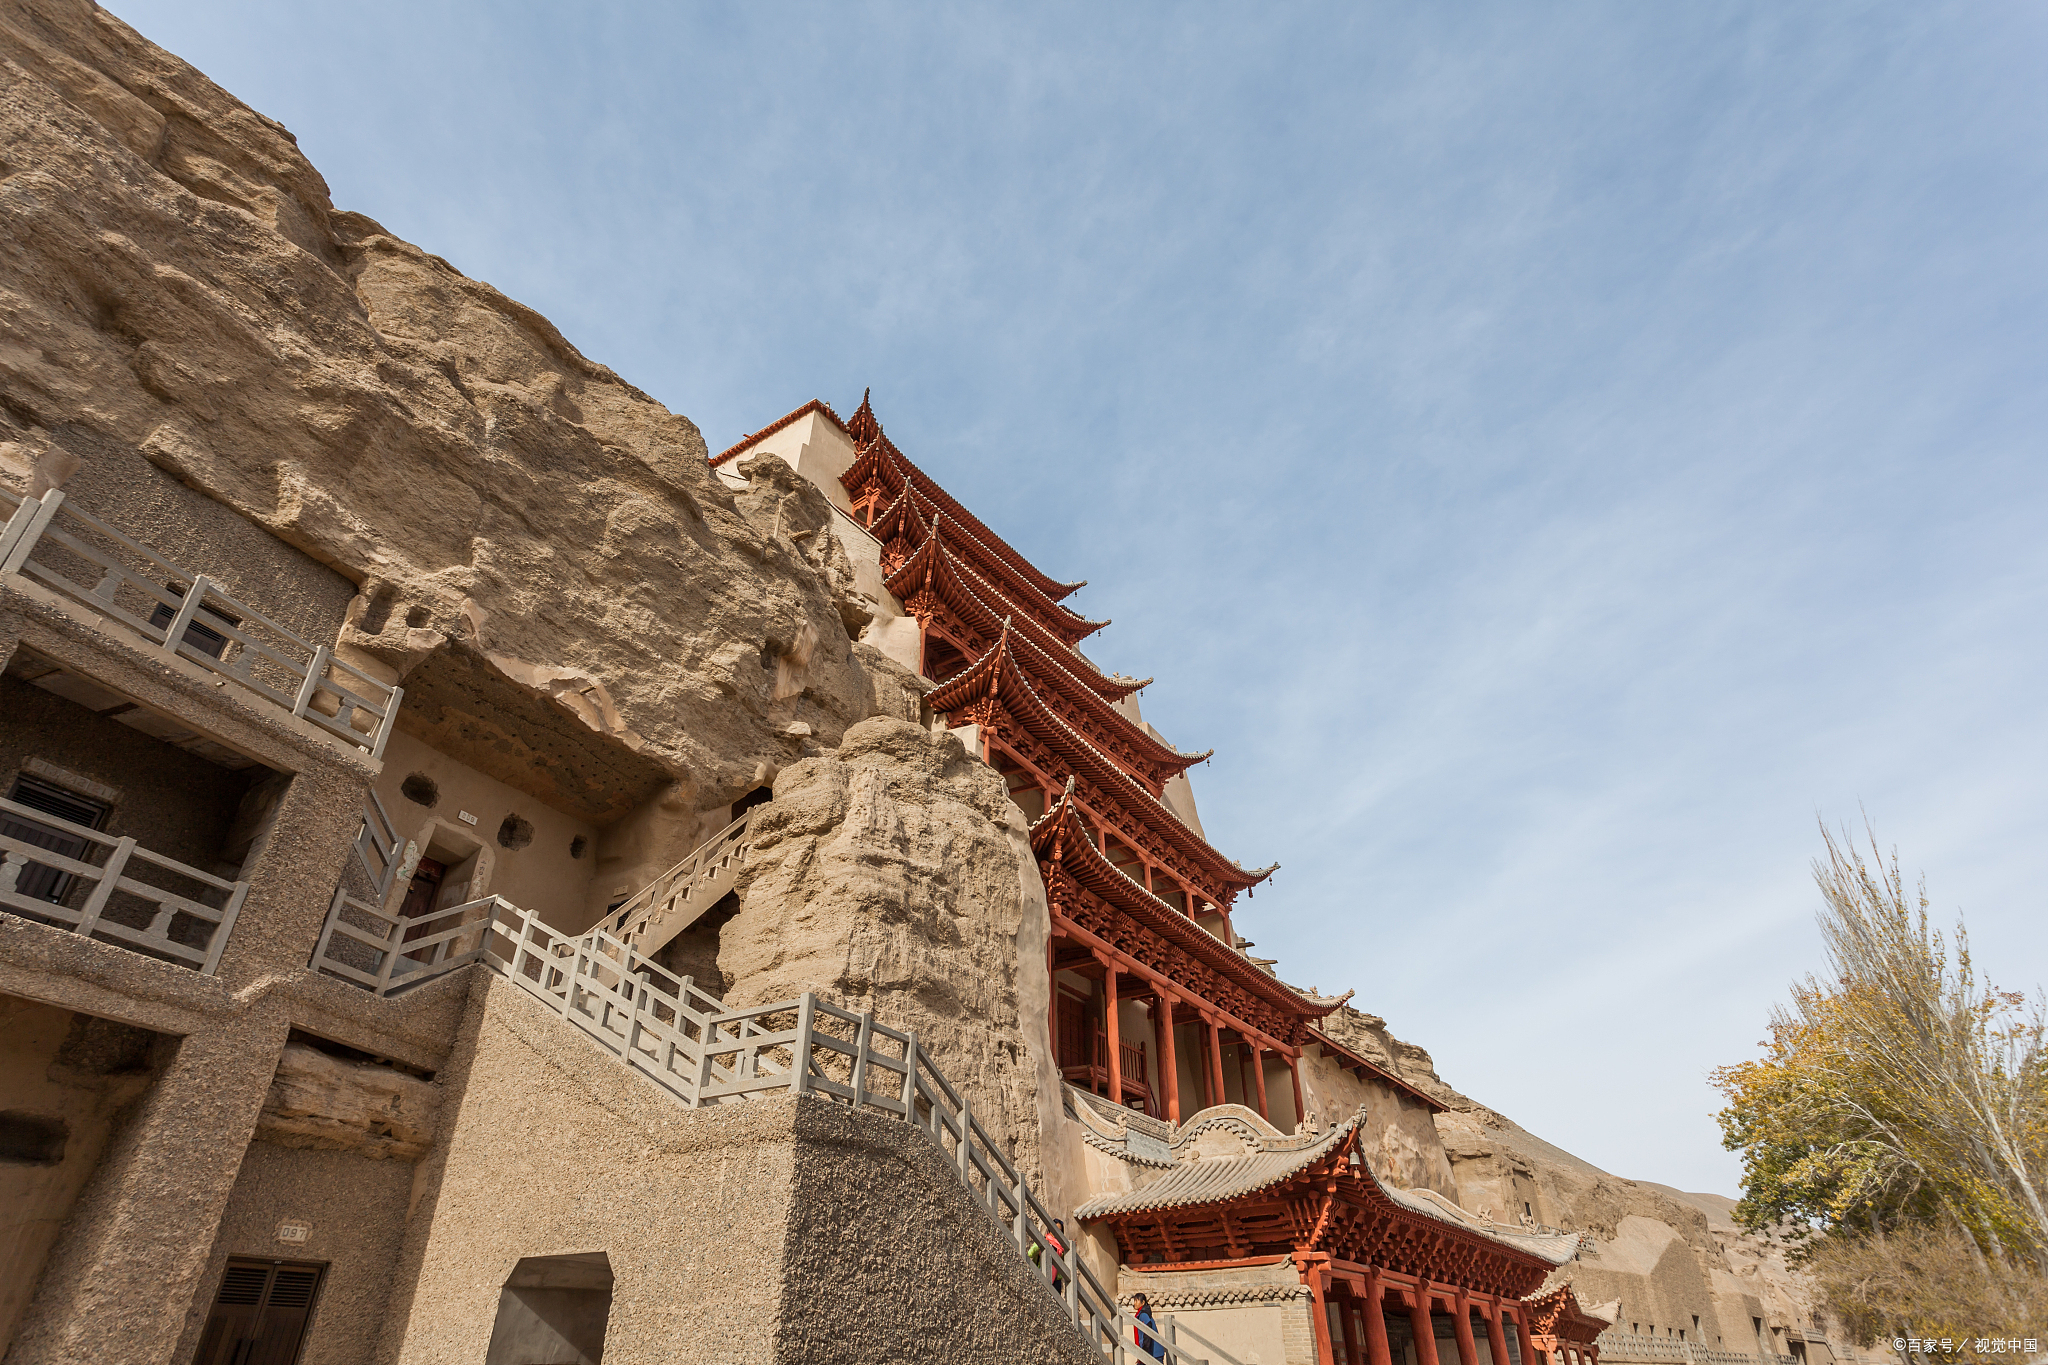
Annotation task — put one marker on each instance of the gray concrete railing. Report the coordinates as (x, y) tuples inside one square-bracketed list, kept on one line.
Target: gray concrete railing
[(702, 1054), (165, 924), (1634, 1346), (52, 544), (673, 901)]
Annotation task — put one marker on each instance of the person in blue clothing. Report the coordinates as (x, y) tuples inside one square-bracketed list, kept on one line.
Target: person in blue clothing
[(1147, 1341)]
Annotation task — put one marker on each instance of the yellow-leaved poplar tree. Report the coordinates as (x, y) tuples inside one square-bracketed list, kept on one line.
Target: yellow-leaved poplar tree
[(1898, 1120)]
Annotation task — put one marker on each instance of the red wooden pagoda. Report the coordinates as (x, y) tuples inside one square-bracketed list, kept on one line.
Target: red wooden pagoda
[(1141, 903)]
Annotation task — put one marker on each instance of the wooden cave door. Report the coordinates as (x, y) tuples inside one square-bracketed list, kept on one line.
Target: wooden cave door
[(260, 1315)]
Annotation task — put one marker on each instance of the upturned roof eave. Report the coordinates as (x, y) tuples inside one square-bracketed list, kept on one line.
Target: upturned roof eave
[(1161, 755), (932, 552), (1051, 726), (1094, 871), (877, 453)]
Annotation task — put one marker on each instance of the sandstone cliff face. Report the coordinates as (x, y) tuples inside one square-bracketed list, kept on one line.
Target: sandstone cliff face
[(179, 301), (895, 876)]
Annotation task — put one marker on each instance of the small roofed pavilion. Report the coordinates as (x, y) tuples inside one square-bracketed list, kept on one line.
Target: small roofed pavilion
[(1385, 1267), (1566, 1331)]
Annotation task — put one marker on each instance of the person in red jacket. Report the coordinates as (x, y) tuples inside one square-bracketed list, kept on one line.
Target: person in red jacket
[(1057, 1242)]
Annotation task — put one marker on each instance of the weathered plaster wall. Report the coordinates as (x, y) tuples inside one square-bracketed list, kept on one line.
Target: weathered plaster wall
[(733, 1233), (79, 1073), (1259, 1314), (356, 1211), (542, 875)]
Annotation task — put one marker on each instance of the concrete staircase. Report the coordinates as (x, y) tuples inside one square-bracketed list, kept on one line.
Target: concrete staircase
[(679, 897)]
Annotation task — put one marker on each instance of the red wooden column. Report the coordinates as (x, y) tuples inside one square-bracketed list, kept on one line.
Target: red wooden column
[(1259, 1073), (1169, 1069), (1216, 1059), (1115, 1031), (1300, 1109), (1418, 1318), (1496, 1340), (1522, 1336), (1468, 1350), (1377, 1349), (1317, 1286), (1207, 1038)]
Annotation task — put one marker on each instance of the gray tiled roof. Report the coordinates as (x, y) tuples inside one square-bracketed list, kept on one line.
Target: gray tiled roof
[(1193, 1182), (1216, 1179)]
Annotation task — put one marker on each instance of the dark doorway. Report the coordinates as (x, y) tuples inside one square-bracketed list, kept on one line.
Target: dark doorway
[(419, 901), (553, 1310), (37, 881), (259, 1317), (759, 796)]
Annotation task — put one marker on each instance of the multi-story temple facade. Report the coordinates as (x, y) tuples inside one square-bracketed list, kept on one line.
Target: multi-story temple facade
[(1155, 1004), (1223, 1134)]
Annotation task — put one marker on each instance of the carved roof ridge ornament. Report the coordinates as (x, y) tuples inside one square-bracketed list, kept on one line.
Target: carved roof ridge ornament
[(874, 451), (1216, 1180), (1060, 838), (864, 426)]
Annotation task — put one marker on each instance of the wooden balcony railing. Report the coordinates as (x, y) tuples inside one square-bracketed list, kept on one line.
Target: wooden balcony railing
[(113, 904), (1093, 1074), (55, 546)]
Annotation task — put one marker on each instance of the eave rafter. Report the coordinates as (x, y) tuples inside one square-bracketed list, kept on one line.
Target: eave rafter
[(1000, 673), (1071, 862), (878, 460)]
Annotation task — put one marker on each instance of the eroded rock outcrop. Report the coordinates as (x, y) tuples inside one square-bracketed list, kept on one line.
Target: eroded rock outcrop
[(330, 1103), (179, 297), (895, 876)]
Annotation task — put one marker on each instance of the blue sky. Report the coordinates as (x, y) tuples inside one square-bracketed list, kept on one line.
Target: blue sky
[(1552, 452)]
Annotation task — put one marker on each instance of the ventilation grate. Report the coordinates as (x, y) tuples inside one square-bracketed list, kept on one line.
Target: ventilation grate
[(243, 1284), (294, 1288), (41, 796)]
